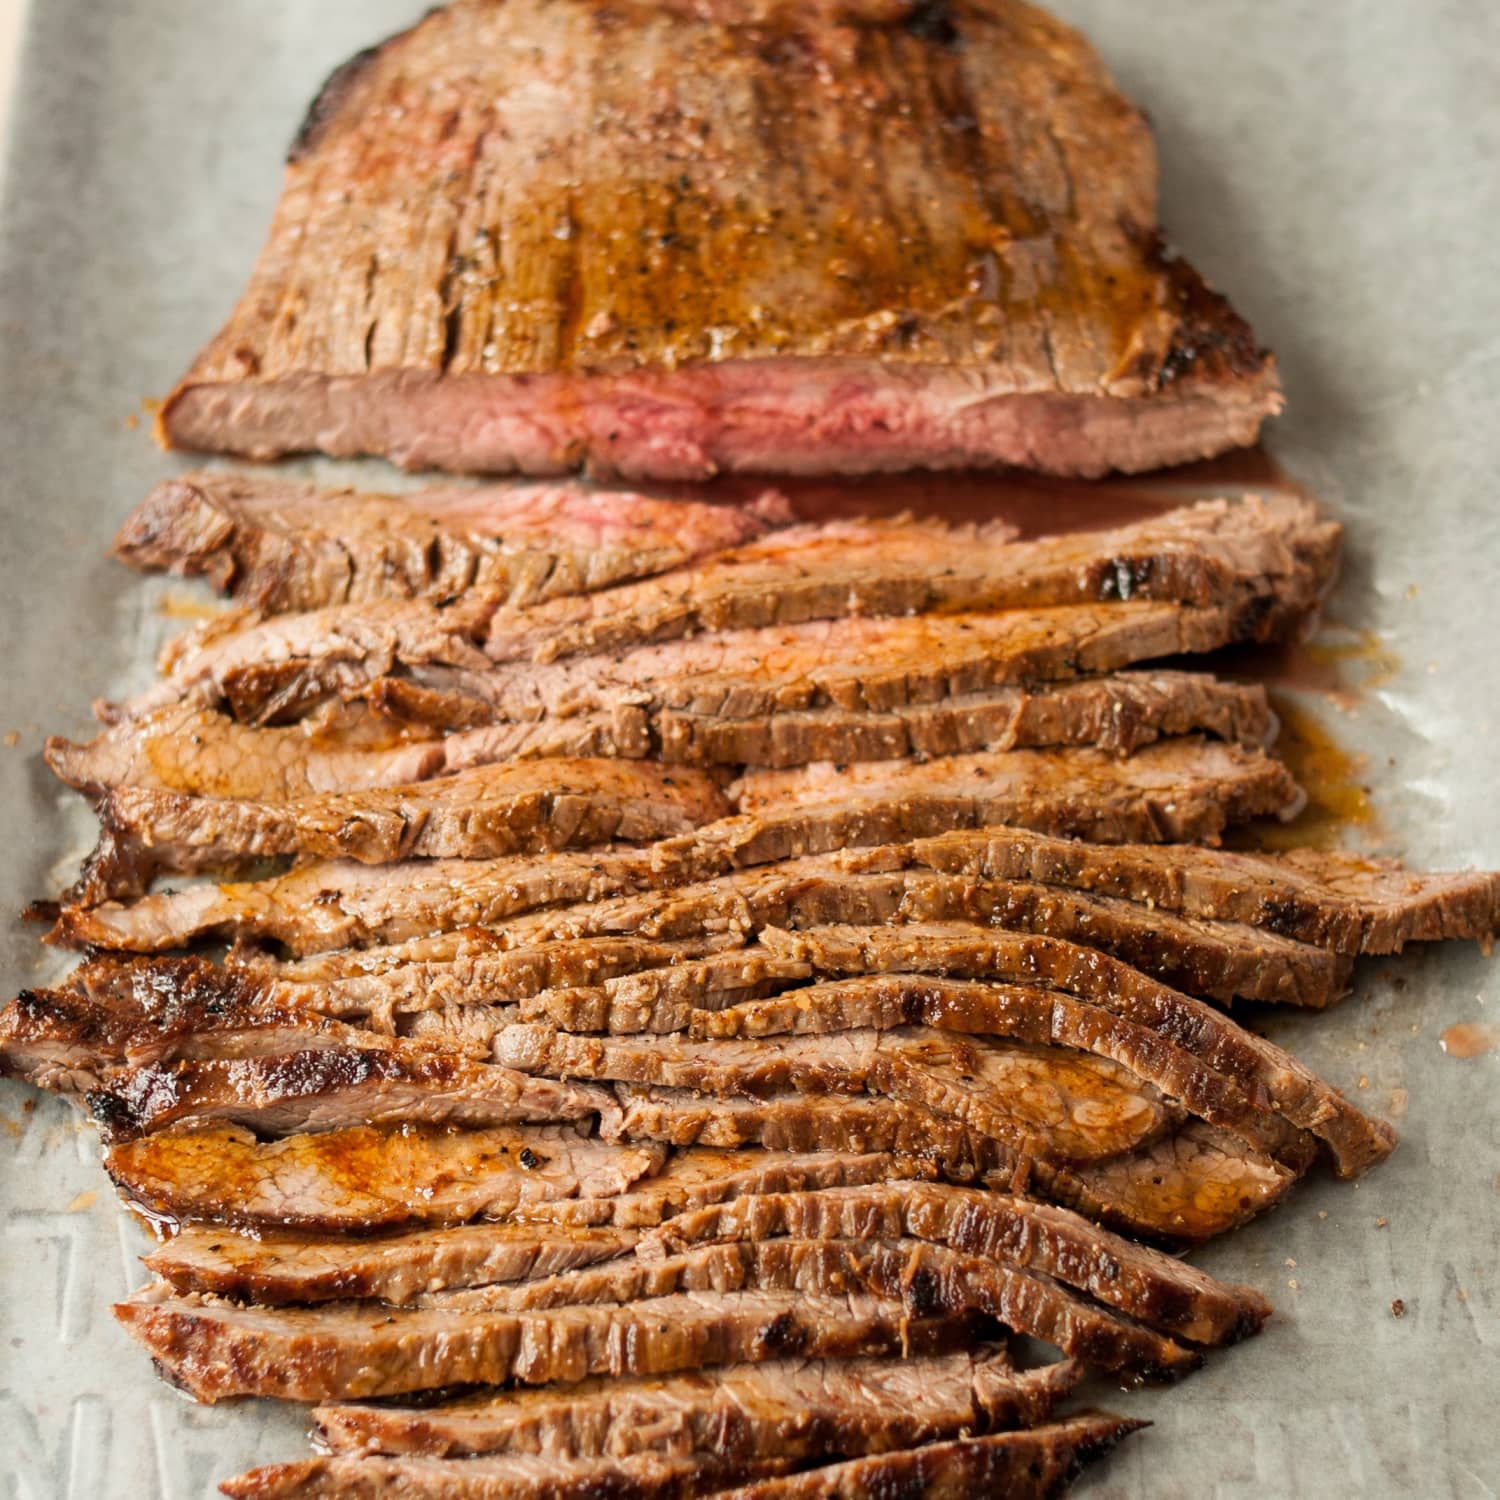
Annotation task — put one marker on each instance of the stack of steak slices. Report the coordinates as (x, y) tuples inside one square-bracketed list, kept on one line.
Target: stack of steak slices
[(727, 977)]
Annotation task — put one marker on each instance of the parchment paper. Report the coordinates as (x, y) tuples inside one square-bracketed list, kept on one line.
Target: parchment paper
[(1333, 164)]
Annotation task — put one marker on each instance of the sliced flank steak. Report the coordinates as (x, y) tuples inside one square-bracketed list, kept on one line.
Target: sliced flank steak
[(1344, 902), (1161, 1291), (1265, 560), (1177, 789), (186, 748), (526, 237), (361, 1179), (418, 664), (932, 1279), (1030, 1465), (1350, 903), (512, 1477), (316, 1089), (1056, 1103), (1266, 1072), (279, 545), (1033, 1463), (1184, 790)]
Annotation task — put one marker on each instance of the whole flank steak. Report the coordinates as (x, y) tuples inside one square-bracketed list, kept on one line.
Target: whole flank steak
[(667, 990), (672, 239)]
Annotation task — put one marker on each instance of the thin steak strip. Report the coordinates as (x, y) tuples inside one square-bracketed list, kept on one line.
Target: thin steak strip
[(1044, 1101), (280, 545), (1355, 1140), (1270, 557), (362, 1180), (349, 1351), (795, 1409), (483, 813), (931, 1279), (1159, 1290), (1033, 1465)]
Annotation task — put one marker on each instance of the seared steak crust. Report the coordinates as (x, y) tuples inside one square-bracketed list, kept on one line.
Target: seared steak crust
[(451, 227)]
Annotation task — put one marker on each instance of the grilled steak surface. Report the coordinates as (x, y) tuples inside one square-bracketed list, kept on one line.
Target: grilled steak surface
[(278, 545), (452, 227)]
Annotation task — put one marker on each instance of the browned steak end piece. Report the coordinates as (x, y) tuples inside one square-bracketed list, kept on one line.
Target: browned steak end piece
[(277, 545), (538, 344)]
